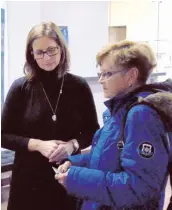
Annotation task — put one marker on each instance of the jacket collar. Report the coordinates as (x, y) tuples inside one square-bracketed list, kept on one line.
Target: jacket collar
[(115, 103), (161, 100)]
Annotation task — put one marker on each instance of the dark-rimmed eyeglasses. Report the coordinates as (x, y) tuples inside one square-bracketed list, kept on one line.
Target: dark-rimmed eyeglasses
[(51, 51), (107, 74)]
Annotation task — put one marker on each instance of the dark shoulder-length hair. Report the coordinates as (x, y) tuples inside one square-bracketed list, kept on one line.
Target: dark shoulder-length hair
[(52, 31)]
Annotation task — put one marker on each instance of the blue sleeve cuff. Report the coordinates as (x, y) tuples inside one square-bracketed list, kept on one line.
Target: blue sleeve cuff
[(79, 160)]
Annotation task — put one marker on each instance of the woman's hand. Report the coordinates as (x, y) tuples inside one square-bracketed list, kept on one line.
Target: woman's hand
[(64, 167), (61, 178), (64, 150), (46, 148)]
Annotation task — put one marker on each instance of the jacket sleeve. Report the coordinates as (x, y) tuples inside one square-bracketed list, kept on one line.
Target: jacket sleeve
[(144, 160), (11, 120), (80, 159), (89, 122)]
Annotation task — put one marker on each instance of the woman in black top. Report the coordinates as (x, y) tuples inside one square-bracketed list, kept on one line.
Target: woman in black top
[(48, 115)]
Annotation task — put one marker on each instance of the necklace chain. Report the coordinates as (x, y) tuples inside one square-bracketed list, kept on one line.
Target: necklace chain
[(58, 98)]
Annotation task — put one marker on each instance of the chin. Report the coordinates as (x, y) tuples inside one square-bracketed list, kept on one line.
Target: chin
[(49, 69), (106, 95)]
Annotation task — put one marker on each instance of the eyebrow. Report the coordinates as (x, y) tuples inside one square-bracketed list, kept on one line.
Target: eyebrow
[(46, 48), (104, 70)]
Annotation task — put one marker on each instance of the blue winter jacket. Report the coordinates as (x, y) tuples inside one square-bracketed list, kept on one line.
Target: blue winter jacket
[(134, 178)]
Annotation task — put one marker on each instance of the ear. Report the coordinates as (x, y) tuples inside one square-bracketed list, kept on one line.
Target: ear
[(132, 76)]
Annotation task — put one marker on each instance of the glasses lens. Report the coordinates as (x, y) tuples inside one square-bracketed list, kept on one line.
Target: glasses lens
[(52, 51), (99, 75), (38, 54), (108, 74)]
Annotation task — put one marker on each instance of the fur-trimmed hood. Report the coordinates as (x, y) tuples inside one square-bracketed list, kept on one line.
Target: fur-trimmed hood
[(161, 101)]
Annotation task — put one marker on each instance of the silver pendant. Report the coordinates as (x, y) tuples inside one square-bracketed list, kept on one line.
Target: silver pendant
[(54, 117)]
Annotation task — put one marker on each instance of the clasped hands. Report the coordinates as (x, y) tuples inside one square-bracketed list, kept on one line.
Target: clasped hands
[(55, 150)]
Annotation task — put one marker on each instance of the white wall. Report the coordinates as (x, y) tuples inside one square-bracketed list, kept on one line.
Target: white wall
[(98, 98), (139, 17), (21, 16), (87, 25), (2, 4)]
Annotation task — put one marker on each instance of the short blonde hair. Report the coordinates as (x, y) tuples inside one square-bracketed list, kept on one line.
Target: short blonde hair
[(127, 54)]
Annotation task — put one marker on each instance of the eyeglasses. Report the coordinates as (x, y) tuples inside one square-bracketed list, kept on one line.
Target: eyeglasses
[(51, 51), (107, 74)]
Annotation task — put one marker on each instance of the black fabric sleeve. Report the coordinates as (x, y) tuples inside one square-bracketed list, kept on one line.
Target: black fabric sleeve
[(89, 123), (12, 115)]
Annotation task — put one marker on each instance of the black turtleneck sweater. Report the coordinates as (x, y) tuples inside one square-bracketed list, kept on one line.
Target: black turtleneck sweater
[(26, 114), (51, 84)]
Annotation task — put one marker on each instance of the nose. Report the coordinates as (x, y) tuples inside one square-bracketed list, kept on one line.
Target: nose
[(101, 80), (46, 56)]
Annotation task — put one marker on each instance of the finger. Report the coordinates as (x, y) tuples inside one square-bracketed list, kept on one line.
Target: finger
[(65, 167), (58, 177), (55, 157), (60, 156), (60, 168), (59, 142), (55, 147), (49, 153), (61, 152), (60, 180), (54, 154)]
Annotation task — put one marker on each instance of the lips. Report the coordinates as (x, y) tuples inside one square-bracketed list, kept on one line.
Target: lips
[(49, 64)]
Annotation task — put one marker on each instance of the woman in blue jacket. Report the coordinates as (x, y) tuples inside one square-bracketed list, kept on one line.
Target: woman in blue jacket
[(114, 176)]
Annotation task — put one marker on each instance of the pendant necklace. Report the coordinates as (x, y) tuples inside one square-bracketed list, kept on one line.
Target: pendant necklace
[(54, 116)]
